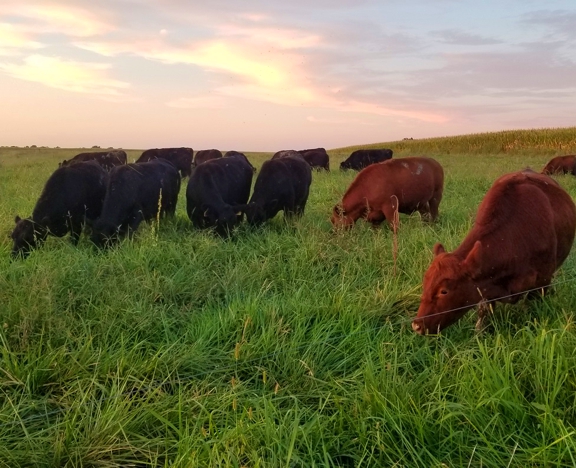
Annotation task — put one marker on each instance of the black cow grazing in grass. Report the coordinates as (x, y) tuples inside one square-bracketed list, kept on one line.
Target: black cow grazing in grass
[(72, 196), (215, 190), (283, 184), (360, 159), (206, 155), (317, 158), (181, 158), (286, 154), (135, 193), (241, 155), (107, 159)]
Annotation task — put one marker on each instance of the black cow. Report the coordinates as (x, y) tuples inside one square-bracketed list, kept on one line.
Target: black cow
[(181, 158), (72, 196), (362, 158), (107, 159), (282, 185), (241, 155), (317, 158), (135, 193), (206, 155), (286, 154), (215, 190)]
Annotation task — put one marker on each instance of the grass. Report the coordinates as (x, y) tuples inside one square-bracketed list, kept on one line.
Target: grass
[(288, 345)]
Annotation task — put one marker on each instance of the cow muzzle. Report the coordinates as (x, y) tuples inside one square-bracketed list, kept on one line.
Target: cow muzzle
[(418, 327)]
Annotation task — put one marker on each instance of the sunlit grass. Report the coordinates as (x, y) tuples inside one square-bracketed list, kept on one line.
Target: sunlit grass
[(288, 345)]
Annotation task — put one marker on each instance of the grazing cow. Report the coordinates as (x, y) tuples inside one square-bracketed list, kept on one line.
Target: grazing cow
[(107, 159), (561, 165), (181, 158), (282, 185), (241, 155), (286, 154), (523, 232), (135, 193), (362, 158), (380, 191), (206, 155), (215, 190), (72, 196), (317, 158)]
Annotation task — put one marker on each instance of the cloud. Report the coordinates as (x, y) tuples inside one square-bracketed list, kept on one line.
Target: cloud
[(198, 102), (457, 37), (561, 22), (338, 121), (80, 77), (13, 39), (59, 19)]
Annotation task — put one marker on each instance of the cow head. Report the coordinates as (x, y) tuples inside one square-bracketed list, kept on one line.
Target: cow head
[(257, 214), (344, 165), (223, 219), (27, 235), (104, 234), (339, 218), (448, 290)]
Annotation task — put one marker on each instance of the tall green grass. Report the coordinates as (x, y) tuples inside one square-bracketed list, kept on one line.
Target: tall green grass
[(546, 141), (288, 345)]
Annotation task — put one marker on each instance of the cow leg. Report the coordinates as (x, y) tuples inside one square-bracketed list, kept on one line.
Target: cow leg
[(425, 212), (434, 203)]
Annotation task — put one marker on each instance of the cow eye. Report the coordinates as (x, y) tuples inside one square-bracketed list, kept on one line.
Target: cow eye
[(443, 292)]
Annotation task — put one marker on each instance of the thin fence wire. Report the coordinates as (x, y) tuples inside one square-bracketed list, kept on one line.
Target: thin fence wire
[(234, 367)]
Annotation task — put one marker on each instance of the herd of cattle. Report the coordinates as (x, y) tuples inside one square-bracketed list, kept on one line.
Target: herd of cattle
[(523, 231)]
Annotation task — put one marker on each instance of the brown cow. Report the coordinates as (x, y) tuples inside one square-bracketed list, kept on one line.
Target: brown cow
[(107, 159), (206, 155), (561, 165), (382, 190), (523, 232)]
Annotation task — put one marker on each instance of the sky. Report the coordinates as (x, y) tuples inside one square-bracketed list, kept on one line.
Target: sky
[(265, 75)]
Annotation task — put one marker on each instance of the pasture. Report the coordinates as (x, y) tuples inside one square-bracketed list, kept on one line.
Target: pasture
[(287, 345)]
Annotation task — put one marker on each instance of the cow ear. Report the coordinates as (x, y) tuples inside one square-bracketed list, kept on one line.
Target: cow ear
[(17, 219), (438, 249), (338, 210), (473, 261)]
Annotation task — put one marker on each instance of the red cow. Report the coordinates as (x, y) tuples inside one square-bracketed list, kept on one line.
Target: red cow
[(382, 190), (561, 165), (523, 232)]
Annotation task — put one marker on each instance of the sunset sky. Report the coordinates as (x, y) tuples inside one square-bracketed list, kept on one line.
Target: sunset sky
[(265, 75)]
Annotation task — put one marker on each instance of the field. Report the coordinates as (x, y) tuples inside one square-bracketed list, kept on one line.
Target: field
[(284, 346)]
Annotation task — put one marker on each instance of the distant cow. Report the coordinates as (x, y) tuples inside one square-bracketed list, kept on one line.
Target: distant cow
[(317, 158), (241, 155), (380, 191), (283, 184), (215, 190), (524, 230), (362, 158), (561, 165), (206, 155), (72, 196), (181, 158), (287, 153), (107, 159), (135, 193)]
